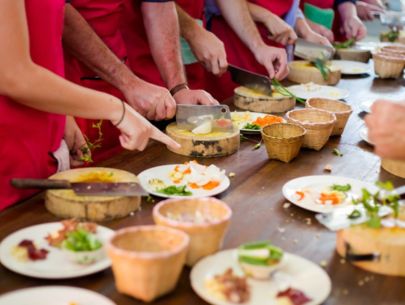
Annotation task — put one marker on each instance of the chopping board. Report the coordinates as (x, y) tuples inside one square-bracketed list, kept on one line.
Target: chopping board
[(66, 204), (302, 72)]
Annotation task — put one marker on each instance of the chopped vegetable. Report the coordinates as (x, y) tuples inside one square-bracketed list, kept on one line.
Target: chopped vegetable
[(322, 66), (260, 253), (81, 240), (32, 252), (300, 194), (354, 215), (176, 190), (333, 197), (251, 126), (341, 188), (257, 146), (284, 91), (267, 120), (345, 44), (391, 36), (337, 152), (295, 296)]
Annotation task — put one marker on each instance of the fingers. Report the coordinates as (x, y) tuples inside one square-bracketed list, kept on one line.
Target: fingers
[(170, 105), (160, 110), (222, 63), (283, 66), (163, 138), (204, 98), (270, 69), (151, 113)]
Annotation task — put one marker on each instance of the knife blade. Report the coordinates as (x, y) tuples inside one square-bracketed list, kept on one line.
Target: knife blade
[(128, 189), (251, 80), (202, 119), (312, 51)]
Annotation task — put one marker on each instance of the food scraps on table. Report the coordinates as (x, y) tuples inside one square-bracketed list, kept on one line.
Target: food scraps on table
[(27, 250), (292, 296), (229, 287)]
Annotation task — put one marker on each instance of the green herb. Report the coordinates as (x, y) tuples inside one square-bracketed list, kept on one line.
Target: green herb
[(341, 188), (284, 91), (251, 126), (247, 253), (388, 186), (257, 146), (354, 215), (81, 240), (345, 44), (322, 66), (391, 36), (337, 152), (149, 199), (175, 190), (91, 146)]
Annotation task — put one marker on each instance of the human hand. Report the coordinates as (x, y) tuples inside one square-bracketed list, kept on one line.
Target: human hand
[(151, 101), (366, 10), (386, 129), (353, 27), (210, 51), (321, 30), (281, 32), (136, 131), (76, 142), (194, 97), (274, 60), (314, 37)]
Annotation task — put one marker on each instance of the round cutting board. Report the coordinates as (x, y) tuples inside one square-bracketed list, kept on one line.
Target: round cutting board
[(214, 144), (302, 72), (66, 204)]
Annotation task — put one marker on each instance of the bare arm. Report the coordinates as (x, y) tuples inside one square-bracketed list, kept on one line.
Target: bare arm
[(351, 23)]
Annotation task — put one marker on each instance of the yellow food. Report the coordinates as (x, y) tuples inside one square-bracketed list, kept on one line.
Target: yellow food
[(255, 94)]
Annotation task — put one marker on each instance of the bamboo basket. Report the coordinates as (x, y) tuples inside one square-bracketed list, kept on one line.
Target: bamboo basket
[(318, 124), (396, 49), (394, 167), (283, 141), (341, 110), (206, 237), (147, 260), (388, 65)]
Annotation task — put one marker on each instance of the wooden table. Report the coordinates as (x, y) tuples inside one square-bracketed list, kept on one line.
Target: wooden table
[(257, 203)]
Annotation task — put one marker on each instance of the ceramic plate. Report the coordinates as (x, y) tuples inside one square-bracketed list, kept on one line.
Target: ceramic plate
[(349, 67), (312, 186), (56, 265), (241, 118), (295, 272), (364, 135), (54, 295), (162, 173), (366, 106), (309, 90)]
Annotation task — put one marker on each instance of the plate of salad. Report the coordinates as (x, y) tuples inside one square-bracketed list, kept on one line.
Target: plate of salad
[(188, 180), (324, 194), (57, 250), (252, 122)]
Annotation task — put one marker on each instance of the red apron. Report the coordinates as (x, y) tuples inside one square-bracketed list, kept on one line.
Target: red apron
[(237, 52), (28, 136), (104, 16), (329, 4)]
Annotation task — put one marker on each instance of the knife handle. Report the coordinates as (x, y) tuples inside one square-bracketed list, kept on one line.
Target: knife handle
[(40, 184)]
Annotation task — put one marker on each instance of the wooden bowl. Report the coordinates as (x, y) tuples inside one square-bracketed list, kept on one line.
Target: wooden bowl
[(318, 124), (66, 204), (283, 141), (394, 167), (247, 99), (147, 260), (354, 54), (215, 144), (205, 220), (302, 72), (388, 65), (341, 110)]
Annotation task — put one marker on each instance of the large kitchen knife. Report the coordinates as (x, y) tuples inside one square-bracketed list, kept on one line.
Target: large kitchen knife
[(128, 189), (312, 51), (254, 81), (203, 119)]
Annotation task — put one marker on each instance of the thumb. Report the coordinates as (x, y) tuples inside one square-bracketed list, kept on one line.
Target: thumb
[(163, 138)]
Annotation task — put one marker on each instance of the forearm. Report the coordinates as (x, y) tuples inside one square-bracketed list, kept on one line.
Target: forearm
[(302, 27), (236, 13), (162, 29), (259, 14), (188, 26), (83, 43), (347, 10)]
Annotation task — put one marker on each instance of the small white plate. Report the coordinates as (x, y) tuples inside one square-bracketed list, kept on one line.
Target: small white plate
[(310, 90), (241, 118), (56, 265), (349, 67), (162, 173), (364, 136), (366, 106), (295, 272), (317, 184), (54, 295)]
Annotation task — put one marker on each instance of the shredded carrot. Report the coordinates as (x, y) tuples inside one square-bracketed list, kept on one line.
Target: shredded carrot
[(193, 185), (267, 120), (300, 194), (211, 185), (329, 197)]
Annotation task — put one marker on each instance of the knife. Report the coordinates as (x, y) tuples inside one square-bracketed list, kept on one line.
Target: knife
[(251, 80), (128, 189), (203, 119), (312, 51)]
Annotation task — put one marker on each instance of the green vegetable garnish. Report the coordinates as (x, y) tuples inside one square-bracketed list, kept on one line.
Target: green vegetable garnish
[(81, 240), (257, 146), (284, 91), (91, 146), (248, 253), (321, 65), (175, 190), (337, 152), (251, 126), (388, 186), (391, 36), (345, 44), (354, 215), (341, 188)]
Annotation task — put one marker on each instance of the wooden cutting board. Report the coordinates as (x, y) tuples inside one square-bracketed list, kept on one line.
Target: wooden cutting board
[(302, 72)]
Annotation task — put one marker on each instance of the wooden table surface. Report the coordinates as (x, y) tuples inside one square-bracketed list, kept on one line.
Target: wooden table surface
[(257, 203)]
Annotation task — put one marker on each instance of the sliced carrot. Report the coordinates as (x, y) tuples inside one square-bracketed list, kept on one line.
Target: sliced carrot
[(211, 185), (267, 120), (333, 198), (193, 185), (300, 194)]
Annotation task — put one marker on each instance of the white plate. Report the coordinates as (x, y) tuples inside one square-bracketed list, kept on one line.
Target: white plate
[(56, 265), (54, 295), (310, 90), (364, 135), (366, 106), (249, 117), (296, 272), (318, 184), (162, 173), (349, 67)]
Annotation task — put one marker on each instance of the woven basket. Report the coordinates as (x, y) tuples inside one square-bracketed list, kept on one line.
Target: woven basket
[(318, 124), (388, 65), (283, 141), (147, 260), (341, 110), (205, 236), (394, 167)]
